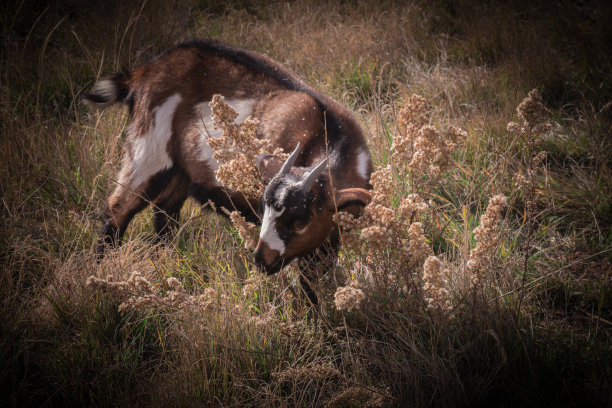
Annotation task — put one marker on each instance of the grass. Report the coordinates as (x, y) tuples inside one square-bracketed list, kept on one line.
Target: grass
[(537, 334)]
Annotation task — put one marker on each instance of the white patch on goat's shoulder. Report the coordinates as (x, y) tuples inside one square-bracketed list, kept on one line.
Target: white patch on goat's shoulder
[(363, 160), (268, 233), (150, 150), (204, 123)]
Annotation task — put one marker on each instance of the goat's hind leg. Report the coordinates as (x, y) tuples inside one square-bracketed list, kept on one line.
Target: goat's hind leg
[(167, 190), (123, 205)]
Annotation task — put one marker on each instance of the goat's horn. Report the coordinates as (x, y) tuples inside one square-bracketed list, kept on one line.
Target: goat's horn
[(311, 177), (290, 160)]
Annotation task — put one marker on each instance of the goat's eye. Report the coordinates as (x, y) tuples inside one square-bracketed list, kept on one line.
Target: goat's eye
[(299, 225)]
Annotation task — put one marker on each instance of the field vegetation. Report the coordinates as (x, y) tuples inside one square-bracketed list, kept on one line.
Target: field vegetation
[(480, 274)]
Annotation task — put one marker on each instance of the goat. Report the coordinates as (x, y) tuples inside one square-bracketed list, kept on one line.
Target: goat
[(167, 158)]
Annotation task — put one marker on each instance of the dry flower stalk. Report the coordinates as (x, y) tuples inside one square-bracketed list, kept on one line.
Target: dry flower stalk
[(534, 128), (532, 110), (139, 294), (349, 297), (265, 320), (317, 371), (435, 284), (534, 118), (384, 227), (391, 228), (237, 149), (422, 148), (359, 397), (247, 231), (487, 237), (535, 125)]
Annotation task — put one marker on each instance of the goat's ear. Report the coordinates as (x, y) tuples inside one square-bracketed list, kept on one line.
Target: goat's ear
[(268, 166), (352, 200)]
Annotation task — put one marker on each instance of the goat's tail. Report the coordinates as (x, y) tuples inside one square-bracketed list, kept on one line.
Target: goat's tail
[(108, 91)]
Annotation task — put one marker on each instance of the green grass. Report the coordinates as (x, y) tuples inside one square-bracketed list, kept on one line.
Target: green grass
[(538, 336)]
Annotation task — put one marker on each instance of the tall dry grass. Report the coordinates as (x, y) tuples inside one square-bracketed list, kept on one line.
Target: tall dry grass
[(395, 327)]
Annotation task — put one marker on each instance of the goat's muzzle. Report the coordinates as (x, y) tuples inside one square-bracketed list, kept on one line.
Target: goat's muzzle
[(267, 259)]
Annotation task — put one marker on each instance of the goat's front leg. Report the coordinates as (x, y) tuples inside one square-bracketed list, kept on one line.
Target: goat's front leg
[(316, 264), (225, 200)]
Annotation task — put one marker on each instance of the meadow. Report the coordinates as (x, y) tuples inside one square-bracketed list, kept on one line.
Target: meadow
[(480, 275)]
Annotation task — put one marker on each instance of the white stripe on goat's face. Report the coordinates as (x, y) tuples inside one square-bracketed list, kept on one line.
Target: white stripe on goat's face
[(284, 204), (150, 150), (206, 129), (268, 233)]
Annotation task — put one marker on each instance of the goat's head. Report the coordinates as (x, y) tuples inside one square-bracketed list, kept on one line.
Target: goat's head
[(297, 210)]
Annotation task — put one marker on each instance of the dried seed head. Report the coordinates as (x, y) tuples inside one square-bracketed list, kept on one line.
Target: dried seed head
[(348, 297), (137, 293), (317, 371), (531, 109), (487, 237), (246, 230), (435, 284), (237, 149)]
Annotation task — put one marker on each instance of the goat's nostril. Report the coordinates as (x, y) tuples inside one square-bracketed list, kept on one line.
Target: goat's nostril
[(259, 258)]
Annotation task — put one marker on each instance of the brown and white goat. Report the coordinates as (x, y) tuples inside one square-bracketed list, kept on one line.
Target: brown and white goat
[(167, 157)]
